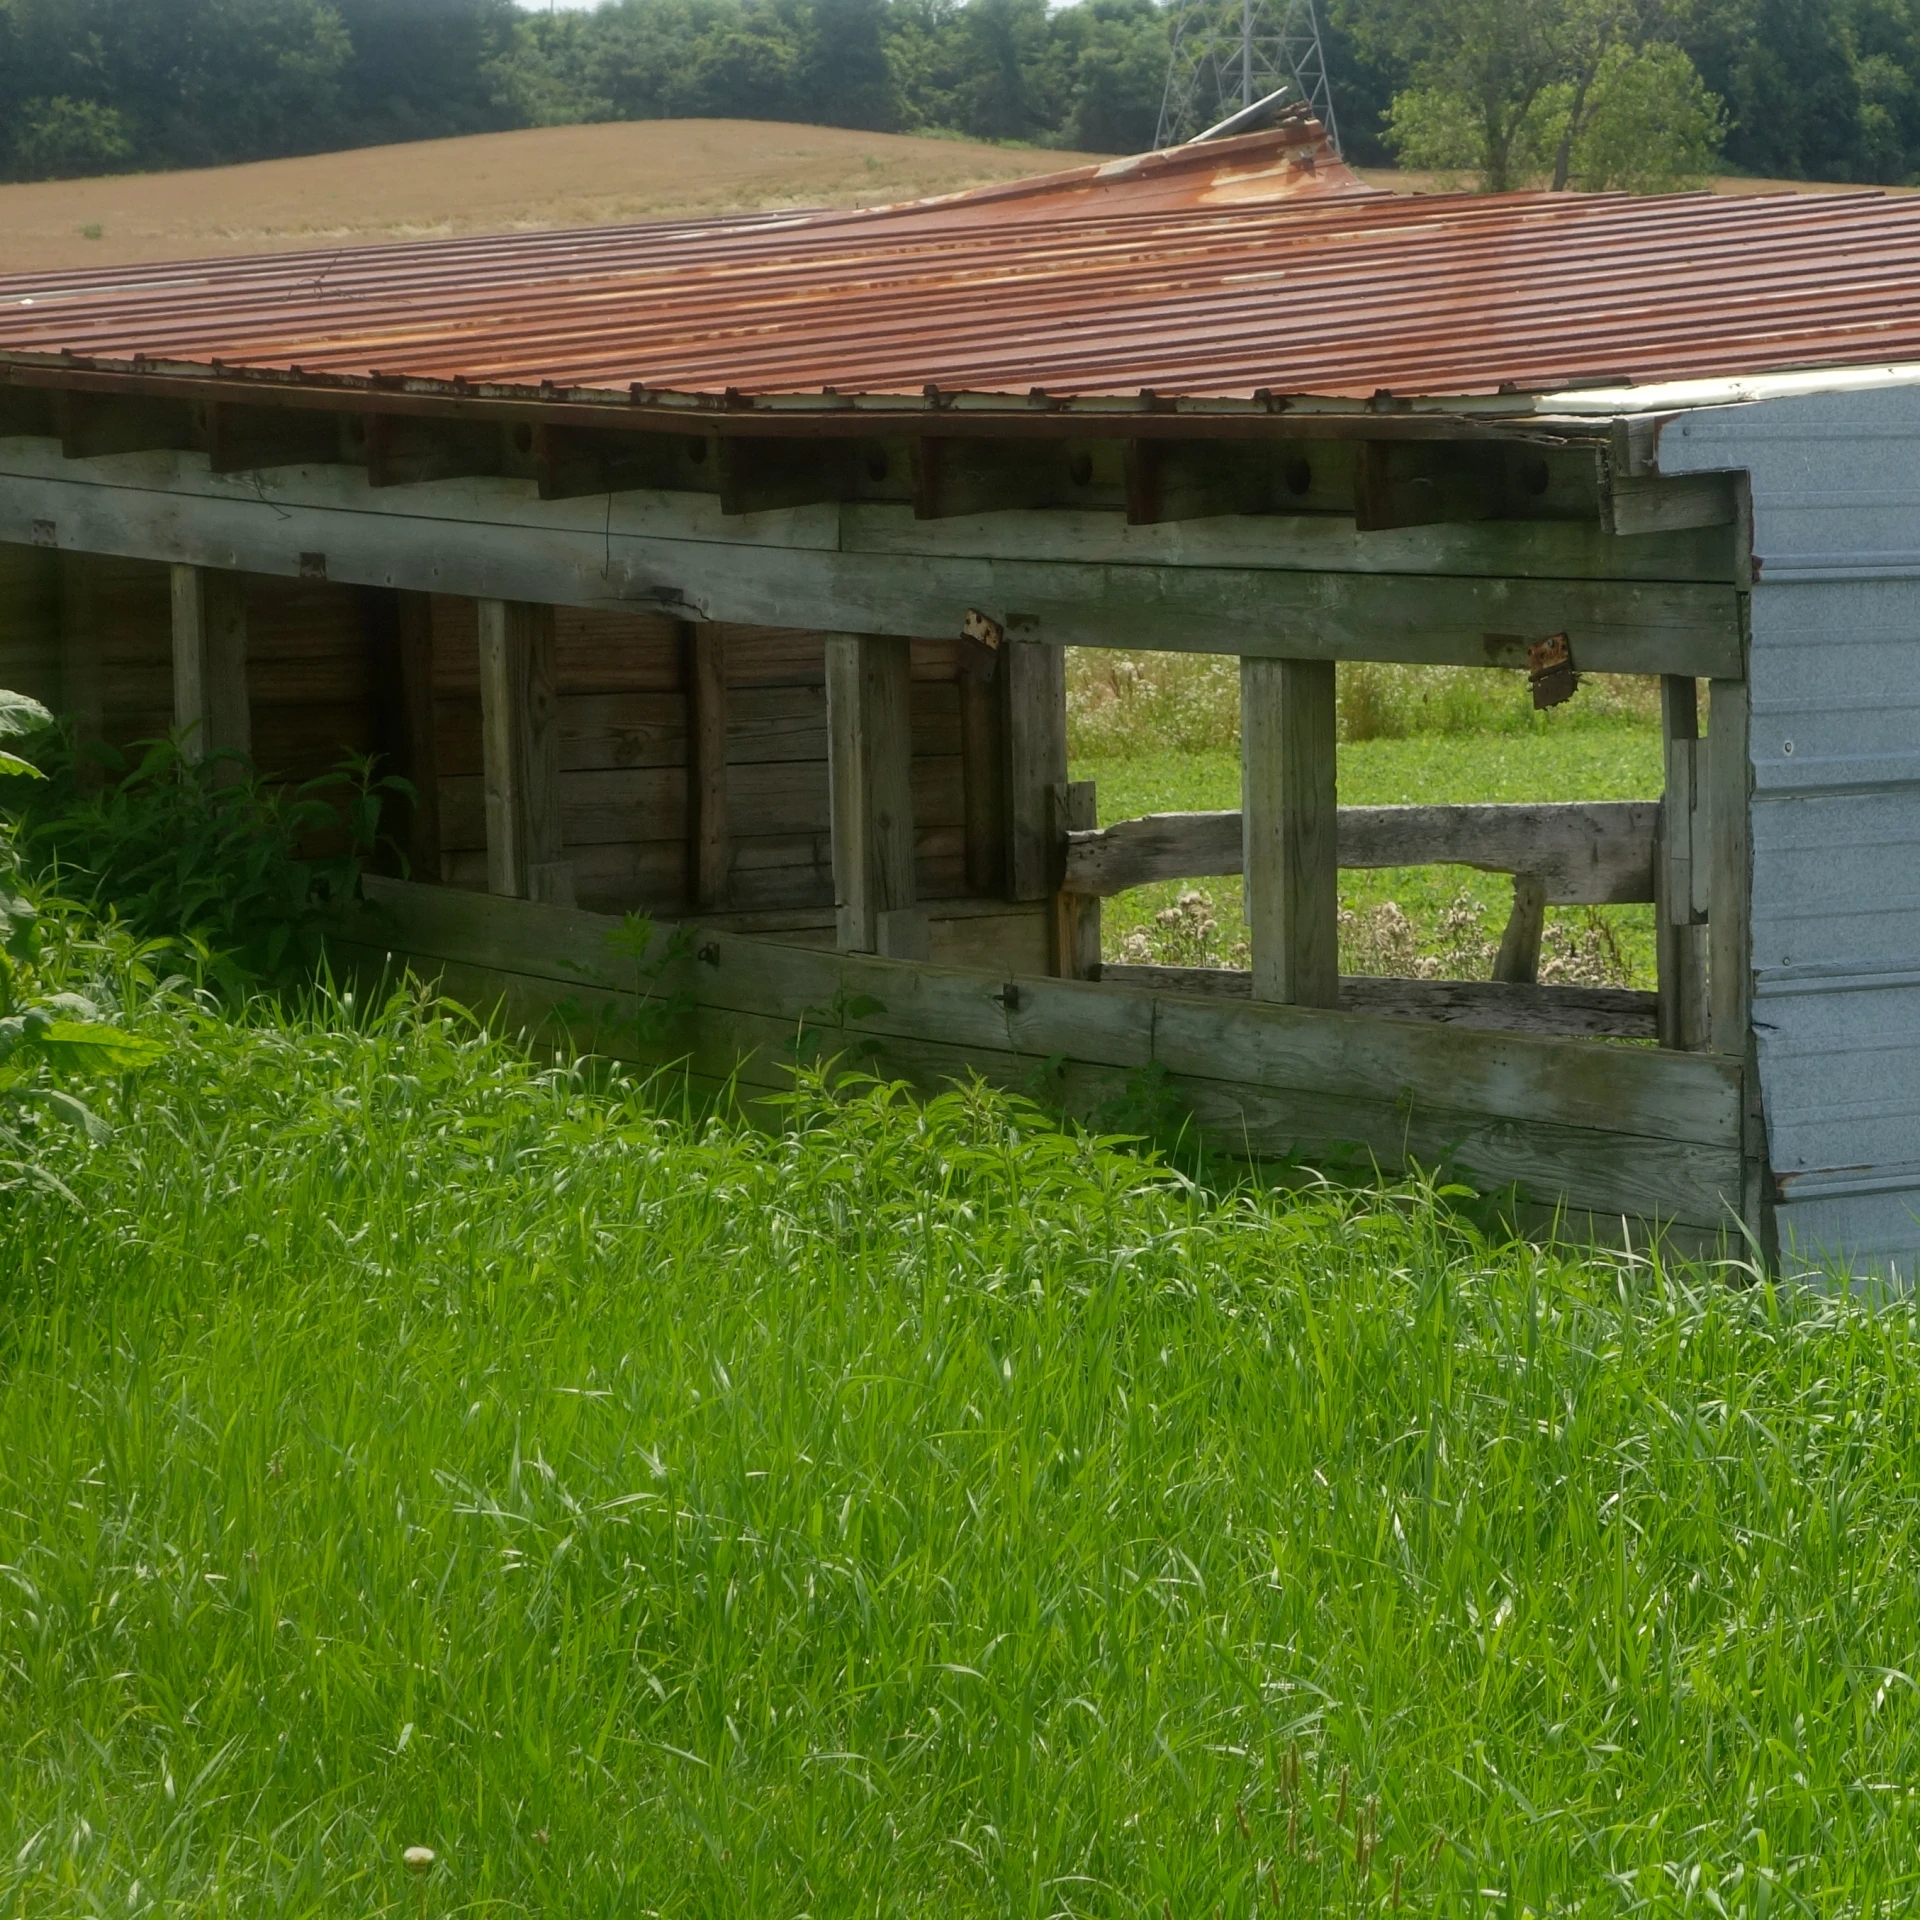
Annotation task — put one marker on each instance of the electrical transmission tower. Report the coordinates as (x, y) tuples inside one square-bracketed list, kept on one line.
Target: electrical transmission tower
[(1228, 54)]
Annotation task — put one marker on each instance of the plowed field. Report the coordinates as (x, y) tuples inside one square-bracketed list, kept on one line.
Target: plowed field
[(487, 183)]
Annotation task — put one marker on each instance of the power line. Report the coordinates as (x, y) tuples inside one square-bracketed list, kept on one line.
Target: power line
[(1230, 55)]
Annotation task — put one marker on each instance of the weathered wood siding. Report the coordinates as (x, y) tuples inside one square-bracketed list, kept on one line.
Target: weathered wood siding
[(1597, 1130), (319, 689), (624, 757)]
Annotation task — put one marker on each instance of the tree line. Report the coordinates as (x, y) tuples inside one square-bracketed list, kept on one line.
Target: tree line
[(1635, 93)]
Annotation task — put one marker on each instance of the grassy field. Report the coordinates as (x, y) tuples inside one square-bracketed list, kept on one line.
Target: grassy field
[(407, 1443), (1159, 734), (920, 1511)]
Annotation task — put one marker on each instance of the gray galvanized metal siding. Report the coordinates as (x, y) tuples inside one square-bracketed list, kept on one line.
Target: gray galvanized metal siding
[(1835, 682)]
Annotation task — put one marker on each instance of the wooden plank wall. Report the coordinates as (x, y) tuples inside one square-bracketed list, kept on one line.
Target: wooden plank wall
[(320, 690), (623, 709), (30, 622)]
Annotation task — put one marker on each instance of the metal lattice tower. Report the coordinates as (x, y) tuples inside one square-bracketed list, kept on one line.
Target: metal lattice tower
[(1230, 53)]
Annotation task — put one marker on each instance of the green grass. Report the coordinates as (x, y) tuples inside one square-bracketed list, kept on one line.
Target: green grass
[(919, 1511), (1612, 759)]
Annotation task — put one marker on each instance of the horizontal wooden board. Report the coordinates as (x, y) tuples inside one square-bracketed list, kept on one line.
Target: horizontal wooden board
[(766, 872), (296, 743), (596, 650), (1607, 1128), (1587, 852), (597, 731), (1542, 549), (674, 554), (1619, 1013), (774, 656)]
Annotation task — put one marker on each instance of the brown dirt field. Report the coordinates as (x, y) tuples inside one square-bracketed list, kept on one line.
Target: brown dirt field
[(487, 183), (511, 182)]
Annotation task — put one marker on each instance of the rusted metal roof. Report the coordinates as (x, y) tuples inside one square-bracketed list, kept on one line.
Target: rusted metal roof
[(1256, 265)]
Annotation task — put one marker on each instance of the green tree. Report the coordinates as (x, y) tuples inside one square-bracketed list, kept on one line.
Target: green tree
[(1117, 51), (60, 137), (1520, 90), (845, 67)]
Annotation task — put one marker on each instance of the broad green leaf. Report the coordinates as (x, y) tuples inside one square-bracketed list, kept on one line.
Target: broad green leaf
[(84, 1044), (12, 763), (78, 1113), (21, 715)]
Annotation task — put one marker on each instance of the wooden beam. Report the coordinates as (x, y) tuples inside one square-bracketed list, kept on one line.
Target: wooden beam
[(1634, 505), (703, 657), (1035, 677), (1729, 868), (1681, 873), (764, 476), (1075, 916), (955, 478), (1586, 852), (1289, 584), (1289, 808), (1616, 1013), (402, 450), (211, 708), (243, 439), (1518, 961), (870, 777), (520, 744), (569, 463), (93, 424)]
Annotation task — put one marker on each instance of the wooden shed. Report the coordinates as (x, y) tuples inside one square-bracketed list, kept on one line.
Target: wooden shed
[(724, 571)]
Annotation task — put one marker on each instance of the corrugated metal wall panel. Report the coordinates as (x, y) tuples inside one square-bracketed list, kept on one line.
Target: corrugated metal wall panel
[(1835, 681)]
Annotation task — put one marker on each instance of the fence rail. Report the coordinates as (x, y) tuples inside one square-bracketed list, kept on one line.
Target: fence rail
[(1583, 853)]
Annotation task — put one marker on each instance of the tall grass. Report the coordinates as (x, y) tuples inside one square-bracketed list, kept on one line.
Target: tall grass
[(916, 1510), (1130, 705)]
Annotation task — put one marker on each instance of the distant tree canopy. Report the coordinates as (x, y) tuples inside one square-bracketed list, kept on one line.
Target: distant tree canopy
[(1633, 93)]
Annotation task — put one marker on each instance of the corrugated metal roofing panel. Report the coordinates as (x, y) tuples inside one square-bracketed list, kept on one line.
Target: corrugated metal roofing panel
[(1211, 273)]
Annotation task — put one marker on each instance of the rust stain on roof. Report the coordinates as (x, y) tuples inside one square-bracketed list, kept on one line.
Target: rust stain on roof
[(1205, 273)]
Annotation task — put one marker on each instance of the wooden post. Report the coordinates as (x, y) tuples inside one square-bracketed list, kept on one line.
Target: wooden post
[(82, 663), (1076, 916), (1518, 960), (1681, 872), (704, 673), (1290, 815), (211, 711), (870, 776), (520, 746), (1729, 869), (396, 628), (420, 730), (983, 769), (1036, 721)]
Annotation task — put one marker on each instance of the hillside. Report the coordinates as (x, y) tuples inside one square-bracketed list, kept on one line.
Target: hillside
[(540, 178), (488, 183)]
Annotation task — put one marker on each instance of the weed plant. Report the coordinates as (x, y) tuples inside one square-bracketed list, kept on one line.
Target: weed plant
[(913, 1509), (244, 871)]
